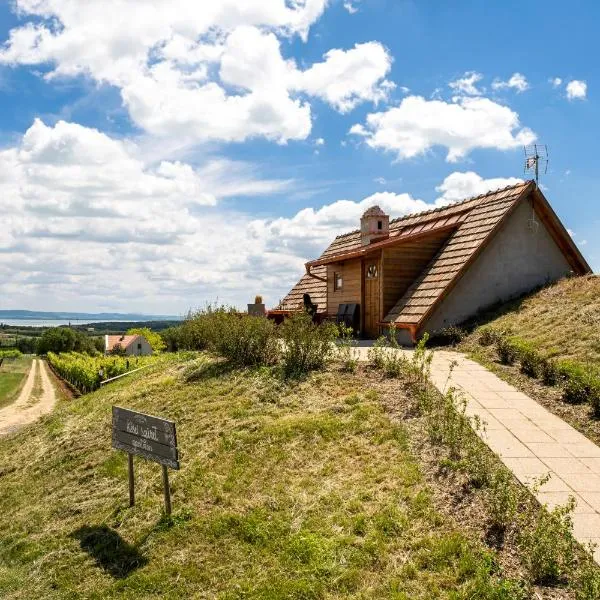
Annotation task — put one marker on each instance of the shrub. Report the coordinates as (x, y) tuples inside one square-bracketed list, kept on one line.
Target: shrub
[(507, 351), (346, 352), (487, 336), (258, 299), (587, 583), (10, 353), (449, 336), (549, 371), (549, 546), (581, 384), (447, 424), (530, 359), (502, 499), (306, 346), (377, 352), (245, 340)]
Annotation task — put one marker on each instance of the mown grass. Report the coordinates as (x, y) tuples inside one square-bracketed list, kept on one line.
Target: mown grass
[(561, 320), (13, 373), (303, 490)]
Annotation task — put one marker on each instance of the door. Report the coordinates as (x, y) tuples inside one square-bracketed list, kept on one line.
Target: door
[(371, 287)]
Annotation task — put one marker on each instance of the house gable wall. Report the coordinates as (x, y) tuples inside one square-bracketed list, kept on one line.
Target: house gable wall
[(517, 260), (133, 350)]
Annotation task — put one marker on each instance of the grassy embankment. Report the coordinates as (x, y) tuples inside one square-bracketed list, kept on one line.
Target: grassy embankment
[(305, 490), (13, 374), (561, 324), (561, 320)]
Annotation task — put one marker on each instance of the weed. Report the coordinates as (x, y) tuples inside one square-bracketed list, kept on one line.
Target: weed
[(548, 545), (346, 350), (587, 580), (502, 499), (377, 353)]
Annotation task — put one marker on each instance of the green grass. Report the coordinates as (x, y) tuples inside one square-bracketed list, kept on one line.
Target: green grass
[(561, 320), (12, 377), (286, 491)]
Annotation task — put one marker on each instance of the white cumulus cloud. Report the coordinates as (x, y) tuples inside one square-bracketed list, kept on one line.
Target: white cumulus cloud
[(467, 123), (467, 84), (517, 82), (576, 90), (462, 185), (200, 70)]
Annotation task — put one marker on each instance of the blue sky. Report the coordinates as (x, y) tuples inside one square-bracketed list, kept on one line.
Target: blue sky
[(183, 153)]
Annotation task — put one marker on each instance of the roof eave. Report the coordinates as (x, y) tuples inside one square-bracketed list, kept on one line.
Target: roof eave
[(560, 234)]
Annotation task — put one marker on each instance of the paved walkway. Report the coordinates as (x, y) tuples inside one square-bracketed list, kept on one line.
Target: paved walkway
[(530, 440)]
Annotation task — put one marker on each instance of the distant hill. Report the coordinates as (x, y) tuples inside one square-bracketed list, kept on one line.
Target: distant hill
[(77, 316)]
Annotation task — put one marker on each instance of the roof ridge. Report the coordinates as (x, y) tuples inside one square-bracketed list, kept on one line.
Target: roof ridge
[(453, 204), (440, 208)]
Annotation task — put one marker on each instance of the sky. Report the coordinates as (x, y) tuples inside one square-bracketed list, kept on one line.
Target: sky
[(158, 155)]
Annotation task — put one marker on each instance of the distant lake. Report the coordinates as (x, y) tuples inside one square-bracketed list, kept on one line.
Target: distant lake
[(58, 322)]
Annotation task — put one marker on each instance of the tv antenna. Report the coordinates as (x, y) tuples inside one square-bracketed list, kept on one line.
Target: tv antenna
[(536, 158)]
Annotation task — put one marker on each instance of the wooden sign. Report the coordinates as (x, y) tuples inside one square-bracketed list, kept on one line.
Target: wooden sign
[(152, 438)]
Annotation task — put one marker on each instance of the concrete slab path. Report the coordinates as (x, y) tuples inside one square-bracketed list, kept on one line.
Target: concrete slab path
[(530, 440)]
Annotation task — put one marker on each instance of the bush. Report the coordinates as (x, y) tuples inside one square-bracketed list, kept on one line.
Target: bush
[(449, 336), (581, 384), (487, 336), (531, 361), (502, 499), (377, 352), (346, 351), (549, 546), (549, 371), (306, 346), (507, 351), (245, 340), (10, 353)]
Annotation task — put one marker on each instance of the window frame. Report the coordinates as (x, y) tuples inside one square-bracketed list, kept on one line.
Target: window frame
[(338, 281), (375, 267)]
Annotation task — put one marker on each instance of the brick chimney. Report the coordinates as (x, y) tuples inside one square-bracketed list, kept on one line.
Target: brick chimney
[(374, 226)]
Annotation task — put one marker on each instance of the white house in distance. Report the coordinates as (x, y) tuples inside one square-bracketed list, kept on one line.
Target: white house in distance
[(134, 345)]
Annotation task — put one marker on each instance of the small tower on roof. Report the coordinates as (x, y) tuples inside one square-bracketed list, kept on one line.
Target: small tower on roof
[(374, 226)]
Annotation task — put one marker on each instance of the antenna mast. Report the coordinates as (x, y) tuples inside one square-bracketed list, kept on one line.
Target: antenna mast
[(536, 156)]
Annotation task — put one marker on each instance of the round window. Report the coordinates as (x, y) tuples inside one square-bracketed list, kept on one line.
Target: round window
[(372, 272)]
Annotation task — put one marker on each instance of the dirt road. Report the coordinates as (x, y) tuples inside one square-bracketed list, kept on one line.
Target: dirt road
[(26, 409)]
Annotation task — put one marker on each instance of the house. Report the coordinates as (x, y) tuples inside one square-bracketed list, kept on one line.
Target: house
[(134, 345), (427, 271)]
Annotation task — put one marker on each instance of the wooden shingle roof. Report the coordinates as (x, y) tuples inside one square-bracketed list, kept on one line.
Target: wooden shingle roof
[(307, 285), (462, 246)]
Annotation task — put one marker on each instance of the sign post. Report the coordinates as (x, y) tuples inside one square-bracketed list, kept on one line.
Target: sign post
[(152, 438)]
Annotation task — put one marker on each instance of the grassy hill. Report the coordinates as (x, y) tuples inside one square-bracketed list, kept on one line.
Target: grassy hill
[(562, 319), (305, 490)]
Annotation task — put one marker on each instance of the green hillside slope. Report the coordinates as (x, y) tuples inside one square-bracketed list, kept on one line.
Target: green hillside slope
[(562, 319), (286, 491)]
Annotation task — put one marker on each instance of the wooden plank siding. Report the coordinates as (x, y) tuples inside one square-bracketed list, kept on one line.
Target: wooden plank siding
[(402, 264), (352, 285)]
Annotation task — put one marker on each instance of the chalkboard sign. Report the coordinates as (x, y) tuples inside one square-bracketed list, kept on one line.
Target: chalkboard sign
[(152, 438)]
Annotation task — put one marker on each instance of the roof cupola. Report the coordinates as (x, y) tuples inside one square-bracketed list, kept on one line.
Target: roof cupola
[(374, 225)]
